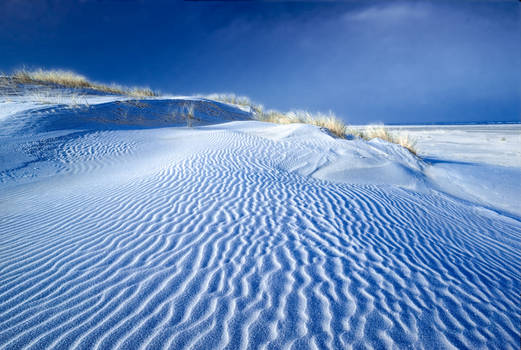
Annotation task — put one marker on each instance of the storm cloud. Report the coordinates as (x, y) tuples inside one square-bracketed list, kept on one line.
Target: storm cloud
[(394, 62)]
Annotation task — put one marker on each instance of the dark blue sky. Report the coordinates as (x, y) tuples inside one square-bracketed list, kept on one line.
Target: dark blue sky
[(367, 61)]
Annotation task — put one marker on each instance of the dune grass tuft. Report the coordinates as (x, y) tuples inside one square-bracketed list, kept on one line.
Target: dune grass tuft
[(189, 114), (326, 121), (379, 131), (230, 98), (335, 126), (58, 77), (73, 80)]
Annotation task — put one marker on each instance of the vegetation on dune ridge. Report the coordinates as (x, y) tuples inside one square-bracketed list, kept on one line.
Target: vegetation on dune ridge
[(230, 98), (327, 121), (335, 126), (380, 131), (73, 80)]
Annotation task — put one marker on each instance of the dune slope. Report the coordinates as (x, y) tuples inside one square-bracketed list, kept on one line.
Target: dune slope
[(233, 236)]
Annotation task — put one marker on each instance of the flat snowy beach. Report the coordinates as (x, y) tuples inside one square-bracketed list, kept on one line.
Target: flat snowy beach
[(121, 227)]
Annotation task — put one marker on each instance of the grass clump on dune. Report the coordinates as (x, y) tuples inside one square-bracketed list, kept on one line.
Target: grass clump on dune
[(326, 121), (73, 80), (230, 98), (335, 126), (379, 131), (58, 77)]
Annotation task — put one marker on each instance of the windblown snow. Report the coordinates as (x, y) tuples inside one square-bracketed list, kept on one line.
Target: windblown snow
[(122, 227)]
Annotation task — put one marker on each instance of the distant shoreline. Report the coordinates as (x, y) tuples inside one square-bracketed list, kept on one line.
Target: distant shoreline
[(453, 123)]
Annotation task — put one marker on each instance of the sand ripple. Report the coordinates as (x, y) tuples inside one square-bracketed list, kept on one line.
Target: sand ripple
[(225, 248)]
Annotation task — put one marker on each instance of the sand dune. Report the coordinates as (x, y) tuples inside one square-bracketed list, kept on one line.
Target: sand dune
[(243, 235)]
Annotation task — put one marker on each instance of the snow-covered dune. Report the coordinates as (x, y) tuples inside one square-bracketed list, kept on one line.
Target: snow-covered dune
[(480, 163), (238, 234)]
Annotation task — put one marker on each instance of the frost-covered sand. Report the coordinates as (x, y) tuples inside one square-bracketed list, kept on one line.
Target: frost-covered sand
[(120, 231), (481, 163)]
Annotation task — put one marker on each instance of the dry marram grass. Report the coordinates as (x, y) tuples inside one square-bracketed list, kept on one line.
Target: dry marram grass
[(189, 114), (336, 126), (326, 121), (76, 81), (379, 131), (230, 98)]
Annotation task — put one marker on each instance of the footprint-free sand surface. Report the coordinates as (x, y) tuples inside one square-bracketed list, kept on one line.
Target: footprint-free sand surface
[(241, 234)]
